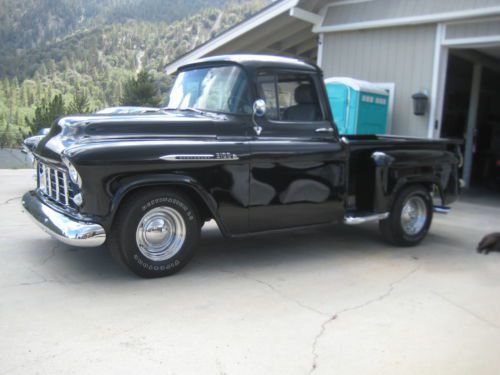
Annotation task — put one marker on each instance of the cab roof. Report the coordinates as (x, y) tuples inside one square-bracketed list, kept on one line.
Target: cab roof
[(254, 61)]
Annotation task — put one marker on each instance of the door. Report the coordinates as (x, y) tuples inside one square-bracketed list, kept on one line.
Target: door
[(297, 164), (219, 159)]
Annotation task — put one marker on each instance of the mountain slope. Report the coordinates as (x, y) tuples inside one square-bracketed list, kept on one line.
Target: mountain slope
[(31, 23), (98, 53)]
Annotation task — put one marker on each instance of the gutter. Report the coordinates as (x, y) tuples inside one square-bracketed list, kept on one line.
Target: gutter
[(408, 21)]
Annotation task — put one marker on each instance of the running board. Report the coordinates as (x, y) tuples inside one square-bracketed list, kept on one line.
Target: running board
[(442, 210), (350, 219)]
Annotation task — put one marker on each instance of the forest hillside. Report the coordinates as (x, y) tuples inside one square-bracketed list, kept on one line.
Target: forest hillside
[(88, 50)]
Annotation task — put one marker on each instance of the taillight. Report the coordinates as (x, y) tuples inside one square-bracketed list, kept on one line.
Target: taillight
[(498, 163)]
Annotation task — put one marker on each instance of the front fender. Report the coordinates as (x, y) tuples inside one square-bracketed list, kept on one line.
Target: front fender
[(126, 185)]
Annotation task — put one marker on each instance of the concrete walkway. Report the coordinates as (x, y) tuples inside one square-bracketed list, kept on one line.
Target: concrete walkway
[(331, 301)]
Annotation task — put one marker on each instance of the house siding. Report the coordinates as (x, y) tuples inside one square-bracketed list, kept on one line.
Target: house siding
[(403, 56), (371, 10), (474, 29)]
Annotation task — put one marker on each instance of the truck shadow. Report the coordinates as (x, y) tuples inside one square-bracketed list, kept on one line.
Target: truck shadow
[(305, 245), (294, 249)]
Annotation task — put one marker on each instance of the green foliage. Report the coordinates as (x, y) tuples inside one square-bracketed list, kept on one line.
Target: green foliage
[(46, 114), (6, 136), (85, 52), (141, 91), (34, 23), (80, 103)]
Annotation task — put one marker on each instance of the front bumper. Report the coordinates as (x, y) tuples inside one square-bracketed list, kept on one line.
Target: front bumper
[(63, 228)]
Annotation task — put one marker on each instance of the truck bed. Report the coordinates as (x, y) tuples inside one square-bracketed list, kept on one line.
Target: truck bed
[(422, 157)]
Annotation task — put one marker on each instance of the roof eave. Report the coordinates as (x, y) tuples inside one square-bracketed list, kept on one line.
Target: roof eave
[(258, 19)]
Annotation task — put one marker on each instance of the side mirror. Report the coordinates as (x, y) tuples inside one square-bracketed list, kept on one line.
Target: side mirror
[(259, 108)]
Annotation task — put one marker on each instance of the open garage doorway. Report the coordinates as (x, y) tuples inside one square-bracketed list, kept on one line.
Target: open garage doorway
[(471, 111)]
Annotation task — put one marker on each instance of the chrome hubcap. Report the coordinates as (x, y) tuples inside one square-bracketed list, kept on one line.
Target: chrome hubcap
[(160, 233), (414, 215)]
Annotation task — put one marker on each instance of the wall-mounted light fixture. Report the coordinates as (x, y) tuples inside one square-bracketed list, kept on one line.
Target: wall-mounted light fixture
[(420, 100)]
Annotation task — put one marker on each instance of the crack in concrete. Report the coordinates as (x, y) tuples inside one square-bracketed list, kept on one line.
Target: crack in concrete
[(38, 274), (10, 200), (51, 255), (315, 342), (285, 296), (62, 281), (271, 287), (334, 316), (466, 310), (331, 317), (42, 281)]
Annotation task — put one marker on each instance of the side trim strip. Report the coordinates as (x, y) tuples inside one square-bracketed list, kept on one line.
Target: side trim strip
[(187, 157), (200, 157)]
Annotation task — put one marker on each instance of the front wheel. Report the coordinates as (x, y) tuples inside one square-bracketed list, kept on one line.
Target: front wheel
[(410, 217), (155, 232)]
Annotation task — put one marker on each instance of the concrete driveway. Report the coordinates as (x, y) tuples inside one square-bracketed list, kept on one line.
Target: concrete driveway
[(328, 301)]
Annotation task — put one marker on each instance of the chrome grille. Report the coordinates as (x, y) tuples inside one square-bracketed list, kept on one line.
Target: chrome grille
[(55, 184)]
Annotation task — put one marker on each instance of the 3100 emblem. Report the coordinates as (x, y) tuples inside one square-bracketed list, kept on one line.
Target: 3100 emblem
[(226, 156)]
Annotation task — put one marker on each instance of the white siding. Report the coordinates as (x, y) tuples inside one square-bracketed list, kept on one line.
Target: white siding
[(473, 29), (386, 9), (400, 55)]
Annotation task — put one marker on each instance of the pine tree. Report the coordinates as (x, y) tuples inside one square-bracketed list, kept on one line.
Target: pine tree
[(141, 91), (23, 96), (80, 103), (46, 114), (5, 136)]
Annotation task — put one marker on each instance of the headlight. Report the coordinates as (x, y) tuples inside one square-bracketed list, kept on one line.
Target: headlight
[(73, 173), (74, 176)]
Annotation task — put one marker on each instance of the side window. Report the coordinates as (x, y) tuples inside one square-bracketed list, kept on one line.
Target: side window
[(298, 99), (290, 97), (267, 88)]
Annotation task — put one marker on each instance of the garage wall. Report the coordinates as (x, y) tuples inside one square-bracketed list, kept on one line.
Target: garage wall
[(369, 10), (469, 29), (401, 55)]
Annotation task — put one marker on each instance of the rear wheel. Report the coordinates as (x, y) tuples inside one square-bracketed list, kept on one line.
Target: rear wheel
[(155, 232), (410, 217)]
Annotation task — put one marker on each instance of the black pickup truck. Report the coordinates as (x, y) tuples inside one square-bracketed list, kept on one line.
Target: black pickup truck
[(248, 141)]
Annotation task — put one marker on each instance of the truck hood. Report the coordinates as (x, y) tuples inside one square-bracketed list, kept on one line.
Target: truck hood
[(76, 130)]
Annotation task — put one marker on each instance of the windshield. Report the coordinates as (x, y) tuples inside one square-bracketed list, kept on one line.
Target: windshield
[(220, 89)]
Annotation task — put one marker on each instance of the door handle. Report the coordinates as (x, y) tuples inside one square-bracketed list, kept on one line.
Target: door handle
[(324, 130)]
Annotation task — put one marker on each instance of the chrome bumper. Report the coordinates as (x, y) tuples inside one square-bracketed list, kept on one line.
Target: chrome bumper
[(62, 227)]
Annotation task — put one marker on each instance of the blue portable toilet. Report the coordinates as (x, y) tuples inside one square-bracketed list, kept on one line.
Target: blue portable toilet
[(358, 107)]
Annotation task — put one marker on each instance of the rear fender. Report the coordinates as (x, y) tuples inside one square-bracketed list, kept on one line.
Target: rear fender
[(396, 169)]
